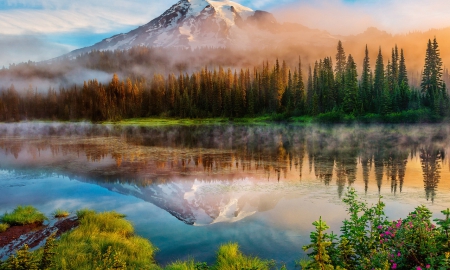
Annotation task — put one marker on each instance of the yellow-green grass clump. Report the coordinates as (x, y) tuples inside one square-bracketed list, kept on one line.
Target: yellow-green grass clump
[(23, 215), (183, 265), (103, 240), (3, 227), (229, 257), (60, 213)]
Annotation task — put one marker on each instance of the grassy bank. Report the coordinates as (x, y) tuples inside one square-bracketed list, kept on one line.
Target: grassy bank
[(107, 241), (160, 122), (405, 117), (368, 240)]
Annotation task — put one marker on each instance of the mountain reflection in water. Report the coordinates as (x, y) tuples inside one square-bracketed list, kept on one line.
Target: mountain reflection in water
[(225, 173)]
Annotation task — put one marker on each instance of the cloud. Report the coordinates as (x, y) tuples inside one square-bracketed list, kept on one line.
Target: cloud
[(51, 16), (15, 49), (353, 17)]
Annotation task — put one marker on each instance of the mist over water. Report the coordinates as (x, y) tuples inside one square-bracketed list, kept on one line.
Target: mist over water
[(190, 188)]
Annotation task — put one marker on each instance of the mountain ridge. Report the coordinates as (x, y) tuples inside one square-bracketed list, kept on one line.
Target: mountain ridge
[(206, 23)]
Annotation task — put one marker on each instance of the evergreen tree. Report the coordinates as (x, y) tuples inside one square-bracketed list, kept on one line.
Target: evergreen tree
[(310, 90), (432, 74), (299, 94), (366, 93), (340, 72), (379, 80), (350, 103), (402, 72)]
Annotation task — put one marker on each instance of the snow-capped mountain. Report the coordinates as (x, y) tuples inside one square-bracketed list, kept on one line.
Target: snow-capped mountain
[(202, 203), (194, 23)]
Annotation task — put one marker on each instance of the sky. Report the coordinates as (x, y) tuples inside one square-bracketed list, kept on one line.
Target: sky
[(42, 29)]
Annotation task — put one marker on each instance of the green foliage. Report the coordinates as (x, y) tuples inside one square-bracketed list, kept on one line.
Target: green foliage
[(186, 265), (229, 257), (3, 227), (330, 117), (84, 212), (48, 254), (370, 241), (320, 243), (59, 213), (23, 260), (103, 241), (23, 215)]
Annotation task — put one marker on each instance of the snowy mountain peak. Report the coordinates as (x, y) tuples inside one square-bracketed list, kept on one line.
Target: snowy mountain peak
[(193, 24)]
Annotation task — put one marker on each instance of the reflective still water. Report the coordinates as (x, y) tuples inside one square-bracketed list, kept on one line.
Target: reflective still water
[(190, 189)]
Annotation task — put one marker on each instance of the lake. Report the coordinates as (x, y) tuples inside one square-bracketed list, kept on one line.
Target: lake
[(189, 189)]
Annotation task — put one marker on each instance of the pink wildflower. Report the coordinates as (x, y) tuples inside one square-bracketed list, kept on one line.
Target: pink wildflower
[(394, 266)]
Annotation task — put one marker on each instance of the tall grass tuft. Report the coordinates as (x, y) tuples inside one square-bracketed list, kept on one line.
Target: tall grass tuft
[(23, 215), (182, 265), (3, 227), (83, 212), (59, 213), (229, 257), (104, 241)]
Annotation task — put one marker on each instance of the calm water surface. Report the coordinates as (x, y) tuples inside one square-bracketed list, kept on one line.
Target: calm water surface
[(190, 189)]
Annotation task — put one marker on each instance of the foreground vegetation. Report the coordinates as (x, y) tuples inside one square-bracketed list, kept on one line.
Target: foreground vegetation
[(107, 241), (368, 240), (23, 215)]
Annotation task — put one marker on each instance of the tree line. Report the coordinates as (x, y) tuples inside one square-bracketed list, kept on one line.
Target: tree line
[(269, 89)]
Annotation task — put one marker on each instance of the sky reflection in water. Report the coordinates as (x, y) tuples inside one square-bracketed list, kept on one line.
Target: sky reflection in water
[(261, 186)]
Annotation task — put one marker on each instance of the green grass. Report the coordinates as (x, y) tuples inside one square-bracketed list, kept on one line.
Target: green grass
[(107, 241), (104, 241), (160, 122), (23, 215), (83, 212), (182, 265), (156, 122), (229, 257), (59, 213), (3, 227)]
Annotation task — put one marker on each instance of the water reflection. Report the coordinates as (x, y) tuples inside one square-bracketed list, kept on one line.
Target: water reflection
[(188, 171)]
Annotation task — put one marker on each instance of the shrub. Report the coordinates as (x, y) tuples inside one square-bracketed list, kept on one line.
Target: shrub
[(23, 215), (370, 241)]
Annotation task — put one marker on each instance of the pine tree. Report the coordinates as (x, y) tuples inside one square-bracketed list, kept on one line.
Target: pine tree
[(403, 84), (366, 94), (299, 94), (402, 72), (432, 74), (379, 80), (310, 91), (340, 72), (350, 103)]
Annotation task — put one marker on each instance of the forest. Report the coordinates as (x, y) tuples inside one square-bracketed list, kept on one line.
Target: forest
[(330, 89)]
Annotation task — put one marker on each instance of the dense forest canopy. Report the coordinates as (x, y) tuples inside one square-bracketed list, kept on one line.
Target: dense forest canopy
[(331, 85)]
